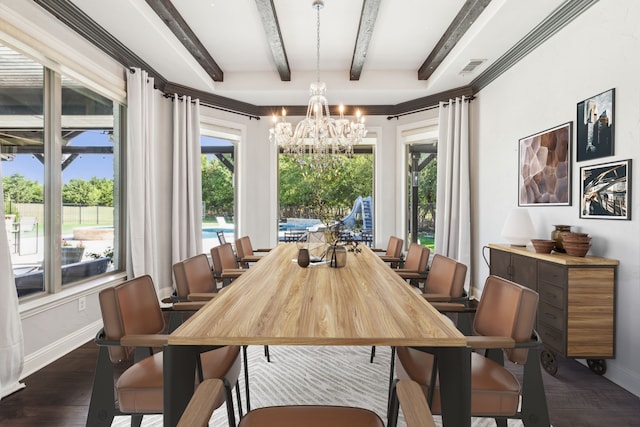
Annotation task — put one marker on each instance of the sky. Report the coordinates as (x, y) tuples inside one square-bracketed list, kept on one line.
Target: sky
[(84, 166)]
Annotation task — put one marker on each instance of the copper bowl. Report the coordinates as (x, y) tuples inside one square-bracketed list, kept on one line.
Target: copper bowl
[(543, 246)]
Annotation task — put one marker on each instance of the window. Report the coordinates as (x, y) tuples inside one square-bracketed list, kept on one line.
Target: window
[(422, 168), (60, 151), (309, 197), (218, 195)]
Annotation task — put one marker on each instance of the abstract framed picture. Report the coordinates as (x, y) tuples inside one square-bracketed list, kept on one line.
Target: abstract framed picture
[(594, 126), (605, 190), (544, 167)]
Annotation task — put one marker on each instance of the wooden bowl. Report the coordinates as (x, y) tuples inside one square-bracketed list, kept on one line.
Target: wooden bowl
[(576, 249), (543, 246), (576, 238)]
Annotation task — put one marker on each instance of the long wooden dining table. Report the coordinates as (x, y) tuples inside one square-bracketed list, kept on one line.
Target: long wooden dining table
[(277, 302)]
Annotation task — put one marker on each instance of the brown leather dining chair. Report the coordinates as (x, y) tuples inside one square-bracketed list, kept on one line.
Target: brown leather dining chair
[(415, 264), (503, 326), (134, 329), (225, 264), (246, 253), (200, 408), (393, 252)]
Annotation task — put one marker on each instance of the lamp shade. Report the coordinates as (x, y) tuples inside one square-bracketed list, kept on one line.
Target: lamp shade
[(518, 228)]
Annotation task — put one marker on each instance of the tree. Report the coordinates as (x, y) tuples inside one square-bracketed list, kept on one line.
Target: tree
[(104, 188), (217, 185), (18, 189), (334, 188), (80, 192)]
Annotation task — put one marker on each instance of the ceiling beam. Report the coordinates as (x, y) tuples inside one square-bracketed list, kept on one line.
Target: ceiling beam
[(458, 27), (271, 26), (179, 27), (365, 30)]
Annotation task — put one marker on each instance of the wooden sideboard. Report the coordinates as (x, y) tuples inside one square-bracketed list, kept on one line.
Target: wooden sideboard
[(576, 312)]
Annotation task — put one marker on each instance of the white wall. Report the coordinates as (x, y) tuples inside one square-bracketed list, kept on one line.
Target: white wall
[(596, 52)]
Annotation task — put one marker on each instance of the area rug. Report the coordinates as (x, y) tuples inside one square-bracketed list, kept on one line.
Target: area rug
[(315, 375)]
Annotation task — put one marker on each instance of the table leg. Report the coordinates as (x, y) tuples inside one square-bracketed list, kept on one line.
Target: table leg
[(455, 385), (179, 367)]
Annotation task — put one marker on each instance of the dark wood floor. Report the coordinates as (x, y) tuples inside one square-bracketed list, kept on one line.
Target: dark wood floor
[(59, 395)]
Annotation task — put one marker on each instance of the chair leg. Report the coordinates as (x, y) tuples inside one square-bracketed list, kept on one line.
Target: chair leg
[(229, 398), (373, 353), (246, 376), (534, 403), (392, 366), (136, 420), (102, 404), (394, 406), (266, 353), (239, 399)]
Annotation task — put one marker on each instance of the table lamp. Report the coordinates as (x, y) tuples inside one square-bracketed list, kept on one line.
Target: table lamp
[(518, 228)]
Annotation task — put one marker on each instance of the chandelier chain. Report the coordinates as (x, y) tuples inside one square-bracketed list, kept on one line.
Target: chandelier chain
[(319, 141)]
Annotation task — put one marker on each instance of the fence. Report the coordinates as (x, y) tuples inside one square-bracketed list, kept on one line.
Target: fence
[(71, 214)]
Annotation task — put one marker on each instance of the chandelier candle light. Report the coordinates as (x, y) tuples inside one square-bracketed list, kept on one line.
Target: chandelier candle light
[(318, 135)]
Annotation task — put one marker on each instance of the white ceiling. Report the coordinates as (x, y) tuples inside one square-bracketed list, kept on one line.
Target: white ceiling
[(404, 35)]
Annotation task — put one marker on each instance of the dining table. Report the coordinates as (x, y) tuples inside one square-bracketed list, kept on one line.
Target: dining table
[(278, 302)]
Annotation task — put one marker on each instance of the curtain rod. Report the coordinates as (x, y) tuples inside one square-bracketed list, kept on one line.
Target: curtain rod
[(431, 107), (206, 104)]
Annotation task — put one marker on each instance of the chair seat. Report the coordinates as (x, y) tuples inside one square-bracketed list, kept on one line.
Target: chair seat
[(311, 416), (139, 388), (495, 390)]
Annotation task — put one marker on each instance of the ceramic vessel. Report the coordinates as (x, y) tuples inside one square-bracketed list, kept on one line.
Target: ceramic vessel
[(557, 235), (303, 257)]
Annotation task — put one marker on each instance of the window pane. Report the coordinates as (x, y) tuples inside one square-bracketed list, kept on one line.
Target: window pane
[(421, 193), (88, 172), (22, 154), (218, 201), (309, 197)]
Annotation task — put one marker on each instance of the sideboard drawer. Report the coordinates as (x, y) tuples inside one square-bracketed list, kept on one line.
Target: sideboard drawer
[(552, 273), (551, 315), (552, 295)]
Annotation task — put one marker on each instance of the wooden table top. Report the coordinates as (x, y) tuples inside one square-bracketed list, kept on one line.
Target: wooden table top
[(277, 302)]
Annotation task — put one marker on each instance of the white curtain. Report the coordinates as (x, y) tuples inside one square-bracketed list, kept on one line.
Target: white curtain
[(186, 207), (453, 216), (141, 176), (11, 340)]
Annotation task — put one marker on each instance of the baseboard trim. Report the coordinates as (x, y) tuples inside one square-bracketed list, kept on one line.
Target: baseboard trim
[(52, 352)]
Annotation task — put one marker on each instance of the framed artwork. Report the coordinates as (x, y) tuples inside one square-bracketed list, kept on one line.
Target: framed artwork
[(605, 190), (544, 167), (594, 127)]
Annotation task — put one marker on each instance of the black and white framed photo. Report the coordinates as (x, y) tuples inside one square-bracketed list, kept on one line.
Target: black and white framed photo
[(594, 127), (605, 190), (545, 167)]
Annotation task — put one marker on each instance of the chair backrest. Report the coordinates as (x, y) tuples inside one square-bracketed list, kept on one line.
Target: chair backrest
[(131, 307), (244, 247), (417, 258), (507, 309), (198, 274), (182, 289), (394, 247), (27, 223), (221, 238), (223, 258), (446, 276)]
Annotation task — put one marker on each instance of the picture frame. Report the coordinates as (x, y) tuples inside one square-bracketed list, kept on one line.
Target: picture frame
[(595, 126), (544, 167), (605, 190)]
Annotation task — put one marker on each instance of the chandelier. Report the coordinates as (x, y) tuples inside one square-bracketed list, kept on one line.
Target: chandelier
[(319, 140)]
